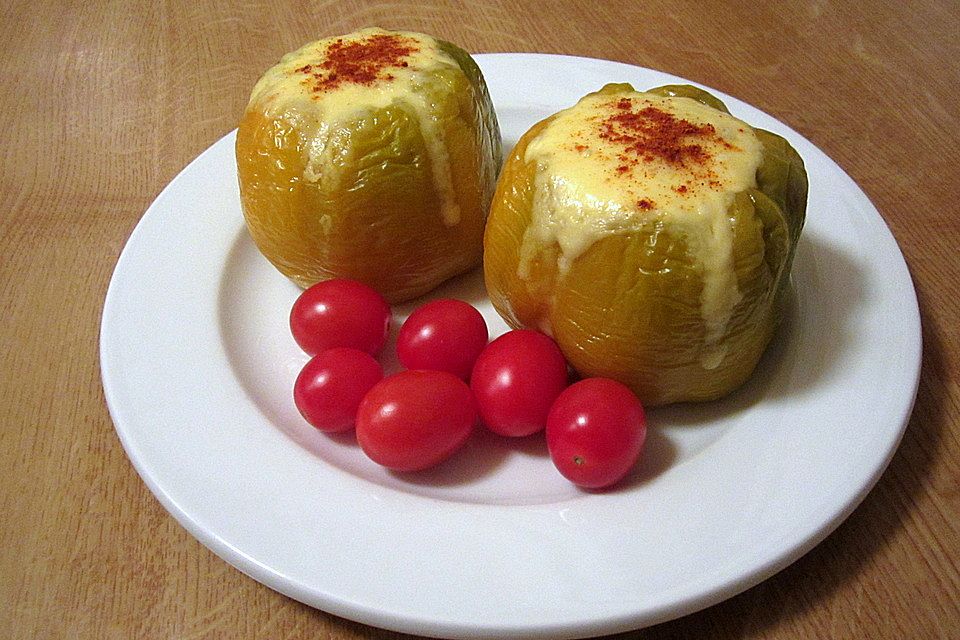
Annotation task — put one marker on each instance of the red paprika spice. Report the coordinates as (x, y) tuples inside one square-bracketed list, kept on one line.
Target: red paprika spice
[(363, 61)]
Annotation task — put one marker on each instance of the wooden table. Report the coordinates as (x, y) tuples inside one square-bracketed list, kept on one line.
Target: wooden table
[(103, 103)]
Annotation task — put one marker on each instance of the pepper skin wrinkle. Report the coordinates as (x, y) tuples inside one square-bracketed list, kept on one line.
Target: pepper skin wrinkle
[(651, 235)]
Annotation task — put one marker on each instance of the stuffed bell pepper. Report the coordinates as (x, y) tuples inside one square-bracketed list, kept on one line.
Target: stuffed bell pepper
[(371, 156), (651, 234)]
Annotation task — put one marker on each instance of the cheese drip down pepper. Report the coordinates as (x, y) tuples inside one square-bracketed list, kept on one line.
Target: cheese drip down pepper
[(371, 156), (651, 234)]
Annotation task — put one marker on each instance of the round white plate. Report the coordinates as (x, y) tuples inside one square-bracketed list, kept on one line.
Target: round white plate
[(198, 367)]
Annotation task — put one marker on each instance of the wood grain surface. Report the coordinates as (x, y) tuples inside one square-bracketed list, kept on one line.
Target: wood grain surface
[(102, 103)]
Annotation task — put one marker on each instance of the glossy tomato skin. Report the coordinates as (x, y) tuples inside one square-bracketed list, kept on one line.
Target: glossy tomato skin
[(515, 381), (340, 313), (415, 419), (330, 387), (595, 432), (442, 335)]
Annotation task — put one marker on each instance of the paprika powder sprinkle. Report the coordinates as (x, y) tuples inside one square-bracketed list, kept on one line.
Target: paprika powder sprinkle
[(363, 61), (652, 133), (644, 133)]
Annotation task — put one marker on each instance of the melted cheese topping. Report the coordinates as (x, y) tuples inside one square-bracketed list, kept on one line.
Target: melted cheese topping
[(323, 86), (617, 160)]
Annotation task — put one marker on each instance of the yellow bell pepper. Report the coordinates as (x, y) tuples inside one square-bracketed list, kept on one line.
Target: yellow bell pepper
[(651, 234), (371, 156)]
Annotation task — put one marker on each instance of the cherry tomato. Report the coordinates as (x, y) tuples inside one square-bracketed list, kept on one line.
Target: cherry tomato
[(340, 313), (330, 387), (442, 335), (516, 379), (595, 432), (415, 419)]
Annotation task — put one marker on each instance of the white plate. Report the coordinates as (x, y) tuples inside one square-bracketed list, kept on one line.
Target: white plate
[(198, 367)]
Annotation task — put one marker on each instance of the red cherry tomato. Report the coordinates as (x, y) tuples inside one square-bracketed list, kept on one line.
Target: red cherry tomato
[(340, 313), (516, 379), (442, 335), (330, 387), (595, 432), (413, 420)]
